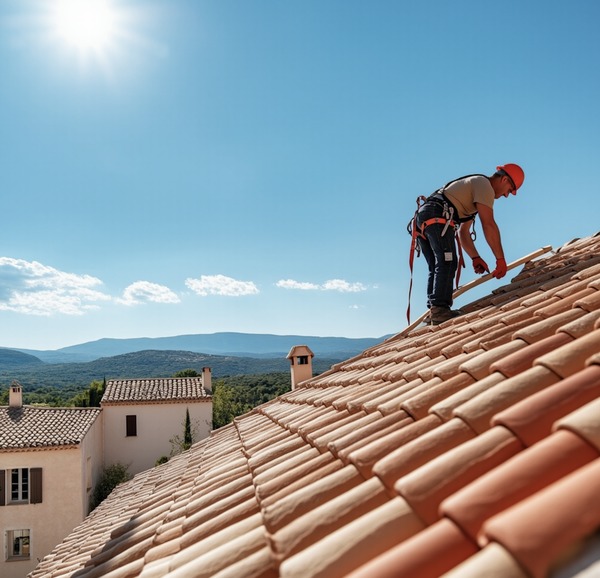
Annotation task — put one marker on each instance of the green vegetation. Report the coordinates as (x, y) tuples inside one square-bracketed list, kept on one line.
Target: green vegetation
[(91, 396), (110, 478), (237, 395), (190, 435), (232, 396), (75, 377)]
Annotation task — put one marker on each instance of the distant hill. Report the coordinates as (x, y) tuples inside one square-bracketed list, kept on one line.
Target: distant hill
[(229, 344), (149, 363), (11, 358)]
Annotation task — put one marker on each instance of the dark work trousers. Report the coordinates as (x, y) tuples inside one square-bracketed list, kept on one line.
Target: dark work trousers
[(440, 253)]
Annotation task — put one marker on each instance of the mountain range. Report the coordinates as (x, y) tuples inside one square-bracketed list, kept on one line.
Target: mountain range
[(227, 354), (225, 343)]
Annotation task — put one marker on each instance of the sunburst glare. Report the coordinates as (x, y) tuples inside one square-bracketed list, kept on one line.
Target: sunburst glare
[(88, 25)]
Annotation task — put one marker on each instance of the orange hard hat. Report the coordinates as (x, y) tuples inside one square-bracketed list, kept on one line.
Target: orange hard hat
[(515, 172)]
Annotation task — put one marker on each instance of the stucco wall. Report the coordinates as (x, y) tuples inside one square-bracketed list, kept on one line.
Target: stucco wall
[(156, 425), (52, 520), (92, 461)]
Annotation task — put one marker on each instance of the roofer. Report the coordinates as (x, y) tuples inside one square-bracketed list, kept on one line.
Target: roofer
[(456, 205)]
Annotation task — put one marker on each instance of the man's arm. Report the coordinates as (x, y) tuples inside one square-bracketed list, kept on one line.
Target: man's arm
[(492, 236), (464, 235), (490, 230)]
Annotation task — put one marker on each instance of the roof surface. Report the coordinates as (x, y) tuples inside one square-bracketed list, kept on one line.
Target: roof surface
[(30, 427), (154, 390), (469, 449)]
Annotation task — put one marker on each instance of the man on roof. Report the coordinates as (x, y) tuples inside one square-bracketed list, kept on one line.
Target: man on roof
[(456, 205)]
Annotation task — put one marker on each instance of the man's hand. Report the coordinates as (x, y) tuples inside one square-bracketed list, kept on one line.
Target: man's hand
[(480, 266), (500, 269)]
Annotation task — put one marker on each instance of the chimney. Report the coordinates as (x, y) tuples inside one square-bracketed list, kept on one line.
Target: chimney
[(207, 380), (15, 396), (300, 357)]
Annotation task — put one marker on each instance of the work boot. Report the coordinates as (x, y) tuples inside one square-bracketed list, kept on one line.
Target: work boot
[(439, 314)]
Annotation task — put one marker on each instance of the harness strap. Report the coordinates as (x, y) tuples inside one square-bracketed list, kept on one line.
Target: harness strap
[(413, 230)]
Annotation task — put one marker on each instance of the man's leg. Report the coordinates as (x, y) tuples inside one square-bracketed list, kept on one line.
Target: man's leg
[(430, 258), (445, 263)]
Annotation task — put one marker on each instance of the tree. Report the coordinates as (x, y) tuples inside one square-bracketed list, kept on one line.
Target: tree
[(91, 396), (187, 433), (187, 373), (190, 435), (110, 478), (233, 396)]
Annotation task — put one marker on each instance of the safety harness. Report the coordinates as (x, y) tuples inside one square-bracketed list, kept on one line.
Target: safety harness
[(448, 219)]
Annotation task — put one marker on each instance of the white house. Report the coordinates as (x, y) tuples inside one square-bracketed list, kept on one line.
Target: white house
[(142, 416), (49, 458)]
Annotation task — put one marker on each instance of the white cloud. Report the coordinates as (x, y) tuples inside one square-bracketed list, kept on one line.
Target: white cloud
[(221, 285), (35, 289), (343, 286), (291, 284), (144, 291), (332, 285)]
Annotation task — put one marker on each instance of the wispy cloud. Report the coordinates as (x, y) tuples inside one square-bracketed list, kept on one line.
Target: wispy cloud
[(221, 285), (35, 289), (144, 291), (302, 285), (332, 285)]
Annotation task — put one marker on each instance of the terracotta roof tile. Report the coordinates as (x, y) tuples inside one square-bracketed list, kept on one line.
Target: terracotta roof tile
[(520, 477), (445, 408), (354, 544), (422, 449), (524, 358), (154, 390), (584, 422), (424, 488), (570, 511), (493, 561), (30, 427), (470, 448), (419, 404), (407, 430), (429, 553), (479, 411), (533, 417)]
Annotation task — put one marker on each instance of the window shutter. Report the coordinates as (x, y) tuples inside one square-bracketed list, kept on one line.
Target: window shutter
[(131, 425), (2, 489), (36, 485)]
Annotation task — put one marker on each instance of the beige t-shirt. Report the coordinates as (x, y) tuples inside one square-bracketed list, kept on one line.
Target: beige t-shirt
[(464, 193)]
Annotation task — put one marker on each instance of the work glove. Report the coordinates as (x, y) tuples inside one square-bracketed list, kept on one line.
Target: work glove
[(500, 269), (480, 266)]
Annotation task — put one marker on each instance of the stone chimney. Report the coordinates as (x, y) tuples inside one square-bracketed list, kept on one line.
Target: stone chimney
[(15, 396), (300, 357), (207, 380)]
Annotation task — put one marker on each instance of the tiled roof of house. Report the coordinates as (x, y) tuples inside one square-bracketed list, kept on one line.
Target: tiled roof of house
[(30, 427), (154, 390), (469, 450)]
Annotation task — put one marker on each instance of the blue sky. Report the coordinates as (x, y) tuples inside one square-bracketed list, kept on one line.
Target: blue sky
[(250, 165)]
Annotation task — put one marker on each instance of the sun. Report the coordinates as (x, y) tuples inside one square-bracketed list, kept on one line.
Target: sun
[(88, 25)]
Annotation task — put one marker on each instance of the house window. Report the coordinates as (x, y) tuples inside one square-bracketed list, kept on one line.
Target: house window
[(21, 486), (131, 425), (17, 545)]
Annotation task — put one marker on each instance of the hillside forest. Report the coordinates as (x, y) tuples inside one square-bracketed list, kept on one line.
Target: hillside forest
[(232, 395)]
